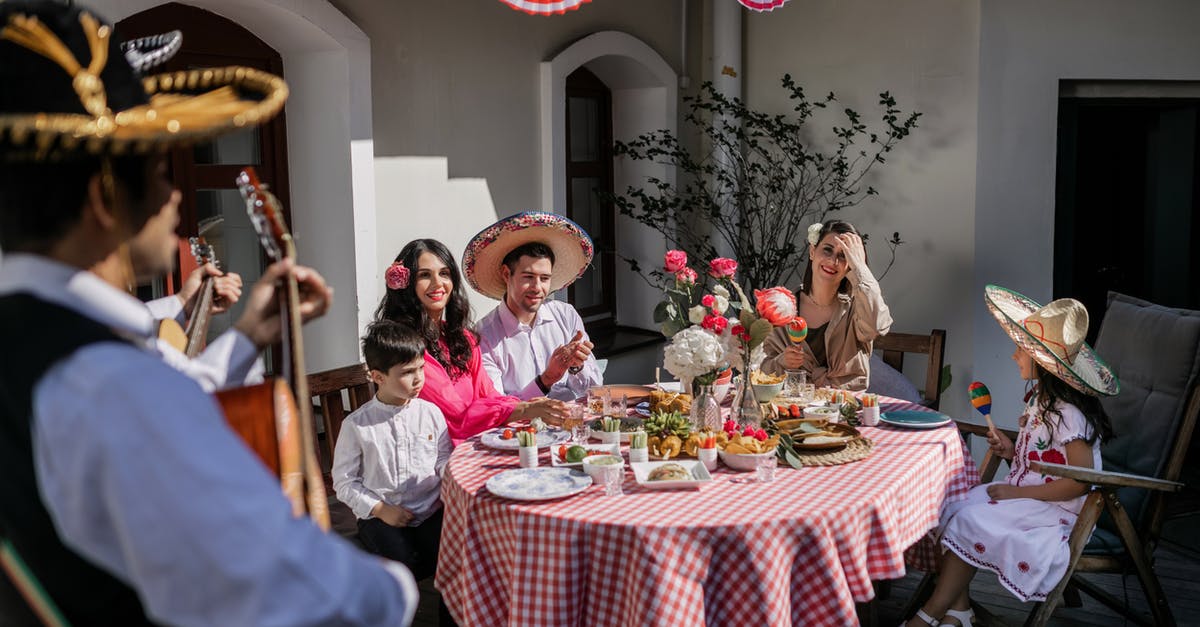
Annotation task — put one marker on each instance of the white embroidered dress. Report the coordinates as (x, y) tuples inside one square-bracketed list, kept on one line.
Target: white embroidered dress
[(1023, 541)]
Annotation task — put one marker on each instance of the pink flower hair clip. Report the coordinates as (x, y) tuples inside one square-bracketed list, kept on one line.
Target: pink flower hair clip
[(396, 276)]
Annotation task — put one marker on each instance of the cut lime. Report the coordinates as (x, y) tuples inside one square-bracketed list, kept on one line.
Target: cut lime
[(576, 454)]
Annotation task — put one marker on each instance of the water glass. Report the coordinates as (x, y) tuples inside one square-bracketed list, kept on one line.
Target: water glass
[(765, 468), (795, 382), (597, 402), (616, 406), (614, 476), (577, 424)]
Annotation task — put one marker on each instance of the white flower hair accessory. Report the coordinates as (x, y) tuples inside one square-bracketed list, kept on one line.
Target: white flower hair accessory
[(814, 233)]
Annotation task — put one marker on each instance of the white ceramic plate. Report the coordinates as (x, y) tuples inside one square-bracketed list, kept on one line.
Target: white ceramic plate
[(493, 439), (538, 484), (700, 476), (555, 460)]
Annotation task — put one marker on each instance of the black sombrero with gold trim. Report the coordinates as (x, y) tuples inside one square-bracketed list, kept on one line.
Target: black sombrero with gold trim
[(67, 89)]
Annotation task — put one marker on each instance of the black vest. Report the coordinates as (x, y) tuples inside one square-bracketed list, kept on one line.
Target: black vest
[(34, 335)]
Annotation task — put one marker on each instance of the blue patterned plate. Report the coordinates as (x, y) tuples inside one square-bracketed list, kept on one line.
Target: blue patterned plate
[(546, 437), (914, 419), (538, 484)]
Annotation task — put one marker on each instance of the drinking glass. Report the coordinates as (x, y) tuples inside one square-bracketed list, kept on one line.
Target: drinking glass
[(765, 468), (616, 406), (796, 380), (614, 476), (597, 402), (576, 424)]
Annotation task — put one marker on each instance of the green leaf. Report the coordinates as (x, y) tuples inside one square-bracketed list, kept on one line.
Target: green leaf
[(792, 459), (671, 327), (944, 384), (747, 318), (759, 332), (661, 312)]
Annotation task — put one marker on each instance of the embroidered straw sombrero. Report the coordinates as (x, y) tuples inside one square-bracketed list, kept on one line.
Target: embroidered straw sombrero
[(1054, 336), (67, 89), (571, 245)]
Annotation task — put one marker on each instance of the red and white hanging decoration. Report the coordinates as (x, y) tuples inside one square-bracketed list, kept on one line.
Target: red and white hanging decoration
[(762, 5), (545, 7)]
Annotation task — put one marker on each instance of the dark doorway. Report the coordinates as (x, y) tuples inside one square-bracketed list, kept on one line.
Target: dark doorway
[(1126, 207)]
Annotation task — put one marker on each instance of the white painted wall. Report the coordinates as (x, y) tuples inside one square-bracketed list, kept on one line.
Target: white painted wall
[(924, 53), (1026, 47), (417, 200)]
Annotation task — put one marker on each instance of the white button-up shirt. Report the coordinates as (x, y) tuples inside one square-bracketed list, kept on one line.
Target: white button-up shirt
[(515, 354), (143, 478), (393, 454)]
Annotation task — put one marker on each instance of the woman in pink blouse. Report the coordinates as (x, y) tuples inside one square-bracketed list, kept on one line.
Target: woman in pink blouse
[(424, 291)]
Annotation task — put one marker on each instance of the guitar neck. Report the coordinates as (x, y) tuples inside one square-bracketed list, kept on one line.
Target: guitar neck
[(197, 327)]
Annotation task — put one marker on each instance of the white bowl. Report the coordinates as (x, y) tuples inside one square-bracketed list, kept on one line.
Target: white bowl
[(766, 392), (593, 467), (829, 414), (743, 462)]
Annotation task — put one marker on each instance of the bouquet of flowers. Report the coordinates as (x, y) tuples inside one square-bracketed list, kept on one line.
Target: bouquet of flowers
[(719, 328)]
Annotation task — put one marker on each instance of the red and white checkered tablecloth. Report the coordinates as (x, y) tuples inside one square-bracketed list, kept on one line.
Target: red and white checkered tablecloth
[(800, 550)]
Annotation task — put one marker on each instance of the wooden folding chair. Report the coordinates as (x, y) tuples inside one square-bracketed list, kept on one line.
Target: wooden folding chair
[(338, 392), (1155, 351), (893, 346)]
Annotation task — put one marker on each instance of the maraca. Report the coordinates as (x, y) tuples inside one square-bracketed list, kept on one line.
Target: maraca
[(797, 330), (981, 399)]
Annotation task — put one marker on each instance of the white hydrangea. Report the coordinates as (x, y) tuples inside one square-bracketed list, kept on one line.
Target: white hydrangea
[(693, 352)]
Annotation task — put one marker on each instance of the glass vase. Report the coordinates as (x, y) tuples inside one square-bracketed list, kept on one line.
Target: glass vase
[(706, 412), (746, 410)]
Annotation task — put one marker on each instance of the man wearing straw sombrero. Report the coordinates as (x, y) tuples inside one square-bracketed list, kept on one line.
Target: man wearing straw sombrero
[(126, 499), (531, 345)]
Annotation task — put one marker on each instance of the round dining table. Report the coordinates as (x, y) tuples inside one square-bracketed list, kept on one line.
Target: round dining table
[(799, 550)]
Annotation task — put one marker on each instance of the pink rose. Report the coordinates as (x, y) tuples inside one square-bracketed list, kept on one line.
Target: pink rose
[(722, 268), (396, 276), (776, 305), (686, 276), (675, 260), (708, 300)]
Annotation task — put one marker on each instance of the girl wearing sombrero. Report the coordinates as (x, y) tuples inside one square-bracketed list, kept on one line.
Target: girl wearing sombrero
[(1018, 527)]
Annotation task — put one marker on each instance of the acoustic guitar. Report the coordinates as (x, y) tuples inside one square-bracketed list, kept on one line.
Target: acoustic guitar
[(275, 417), (190, 340)]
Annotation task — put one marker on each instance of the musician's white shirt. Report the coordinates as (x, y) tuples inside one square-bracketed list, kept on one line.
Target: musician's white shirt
[(142, 477), (392, 453)]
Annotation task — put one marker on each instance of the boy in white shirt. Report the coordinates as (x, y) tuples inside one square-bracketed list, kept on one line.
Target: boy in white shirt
[(390, 454)]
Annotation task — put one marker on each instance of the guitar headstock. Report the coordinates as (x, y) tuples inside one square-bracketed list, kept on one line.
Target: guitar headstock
[(266, 214), (203, 251)]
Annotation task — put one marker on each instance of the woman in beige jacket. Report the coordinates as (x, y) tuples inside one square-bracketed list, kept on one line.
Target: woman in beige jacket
[(841, 301)]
